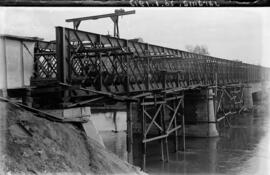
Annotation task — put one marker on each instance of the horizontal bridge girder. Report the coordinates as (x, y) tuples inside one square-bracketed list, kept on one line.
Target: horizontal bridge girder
[(118, 65)]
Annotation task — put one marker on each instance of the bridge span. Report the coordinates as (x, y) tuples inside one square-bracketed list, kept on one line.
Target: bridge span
[(164, 91)]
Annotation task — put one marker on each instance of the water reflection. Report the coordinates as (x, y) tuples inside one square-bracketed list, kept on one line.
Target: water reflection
[(241, 149)]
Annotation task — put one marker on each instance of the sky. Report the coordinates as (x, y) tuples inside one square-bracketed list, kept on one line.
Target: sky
[(230, 33)]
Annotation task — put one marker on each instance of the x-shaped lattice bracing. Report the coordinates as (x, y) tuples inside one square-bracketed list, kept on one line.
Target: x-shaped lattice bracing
[(234, 96)]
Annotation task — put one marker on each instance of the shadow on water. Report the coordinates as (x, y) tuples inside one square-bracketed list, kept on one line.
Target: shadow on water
[(241, 149)]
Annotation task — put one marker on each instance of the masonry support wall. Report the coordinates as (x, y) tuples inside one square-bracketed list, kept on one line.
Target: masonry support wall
[(200, 113), (248, 101), (212, 132)]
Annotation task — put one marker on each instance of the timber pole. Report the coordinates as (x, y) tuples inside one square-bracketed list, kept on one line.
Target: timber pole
[(129, 133)]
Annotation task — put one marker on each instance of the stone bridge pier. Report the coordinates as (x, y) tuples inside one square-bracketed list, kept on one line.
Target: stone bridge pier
[(201, 105), (200, 113), (256, 92)]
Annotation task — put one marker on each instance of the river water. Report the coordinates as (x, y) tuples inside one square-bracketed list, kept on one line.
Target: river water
[(244, 148)]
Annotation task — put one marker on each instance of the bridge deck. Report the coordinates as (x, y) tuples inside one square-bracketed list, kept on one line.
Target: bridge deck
[(123, 66)]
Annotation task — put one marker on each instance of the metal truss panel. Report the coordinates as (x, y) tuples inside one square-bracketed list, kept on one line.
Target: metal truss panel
[(118, 65)]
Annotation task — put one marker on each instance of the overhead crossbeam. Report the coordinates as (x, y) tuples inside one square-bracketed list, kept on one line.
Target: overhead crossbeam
[(113, 16)]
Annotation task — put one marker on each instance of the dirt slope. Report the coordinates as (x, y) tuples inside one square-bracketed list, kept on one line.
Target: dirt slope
[(35, 146)]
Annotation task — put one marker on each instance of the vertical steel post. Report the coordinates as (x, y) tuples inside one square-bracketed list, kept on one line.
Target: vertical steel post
[(143, 138), (63, 62), (162, 119), (129, 114), (129, 133), (161, 140), (61, 55), (176, 132), (183, 129), (165, 130), (22, 63)]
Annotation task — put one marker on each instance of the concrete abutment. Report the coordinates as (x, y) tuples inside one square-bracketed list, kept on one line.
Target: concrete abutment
[(79, 112)]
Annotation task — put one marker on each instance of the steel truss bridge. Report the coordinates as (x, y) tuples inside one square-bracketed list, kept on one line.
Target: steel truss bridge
[(82, 68)]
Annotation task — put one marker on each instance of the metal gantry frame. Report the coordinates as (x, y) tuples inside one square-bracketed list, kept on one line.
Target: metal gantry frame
[(114, 17)]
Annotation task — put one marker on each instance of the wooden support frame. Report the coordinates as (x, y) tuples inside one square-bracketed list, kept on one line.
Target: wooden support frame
[(167, 117), (234, 104), (129, 132)]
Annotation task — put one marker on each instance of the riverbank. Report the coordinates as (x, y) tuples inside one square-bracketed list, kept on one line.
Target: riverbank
[(33, 145)]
